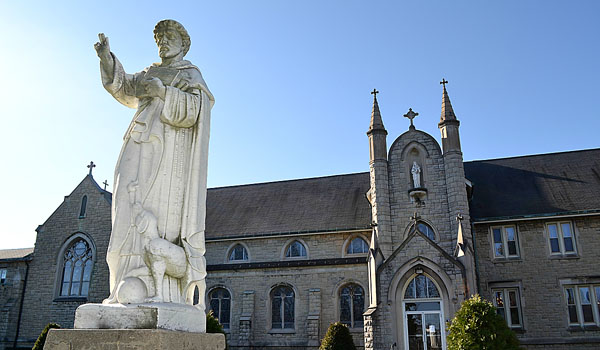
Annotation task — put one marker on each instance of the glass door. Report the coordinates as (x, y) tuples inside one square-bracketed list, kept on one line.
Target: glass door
[(424, 331)]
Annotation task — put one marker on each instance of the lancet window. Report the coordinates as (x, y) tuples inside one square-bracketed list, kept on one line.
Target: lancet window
[(282, 308), (352, 304), (77, 269)]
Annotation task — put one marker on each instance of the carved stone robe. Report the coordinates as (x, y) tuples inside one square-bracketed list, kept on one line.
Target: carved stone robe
[(162, 167)]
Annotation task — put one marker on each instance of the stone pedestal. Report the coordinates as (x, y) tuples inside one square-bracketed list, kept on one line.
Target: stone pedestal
[(131, 339), (166, 316)]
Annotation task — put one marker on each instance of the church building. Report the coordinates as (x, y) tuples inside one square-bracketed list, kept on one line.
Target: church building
[(392, 252)]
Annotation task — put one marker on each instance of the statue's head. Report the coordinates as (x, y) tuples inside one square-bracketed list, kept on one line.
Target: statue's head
[(171, 38)]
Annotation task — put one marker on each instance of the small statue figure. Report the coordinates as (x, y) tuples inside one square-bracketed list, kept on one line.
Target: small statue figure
[(416, 175)]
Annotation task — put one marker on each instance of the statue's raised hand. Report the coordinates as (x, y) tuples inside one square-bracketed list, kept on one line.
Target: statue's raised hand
[(102, 47)]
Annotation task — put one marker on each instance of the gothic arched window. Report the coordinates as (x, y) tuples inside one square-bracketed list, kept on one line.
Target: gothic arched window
[(426, 230), (83, 207), (77, 269), (238, 253), (220, 304), (421, 287), (357, 246), (352, 304), (295, 250), (282, 308)]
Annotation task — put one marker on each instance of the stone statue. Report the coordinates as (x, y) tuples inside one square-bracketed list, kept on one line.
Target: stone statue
[(416, 174), (156, 249)]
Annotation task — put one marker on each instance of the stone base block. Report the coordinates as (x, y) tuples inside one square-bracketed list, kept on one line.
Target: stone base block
[(131, 339), (167, 316)]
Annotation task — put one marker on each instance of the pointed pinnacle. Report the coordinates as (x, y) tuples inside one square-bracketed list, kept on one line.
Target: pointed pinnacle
[(447, 111), (376, 121)]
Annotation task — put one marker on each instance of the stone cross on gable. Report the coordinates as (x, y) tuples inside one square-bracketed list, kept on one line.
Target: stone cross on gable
[(416, 217), (411, 115), (105, 183), (91, 166)]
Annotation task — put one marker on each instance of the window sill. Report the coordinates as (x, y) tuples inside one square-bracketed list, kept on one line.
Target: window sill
[(295, 258), (507, 260), (563, 256), (518, 330), (590, 327), (355, 255), (237, 261), (70, 299), (282, 331)]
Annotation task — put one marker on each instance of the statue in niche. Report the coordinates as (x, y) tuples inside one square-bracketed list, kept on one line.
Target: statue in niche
[(156, 249), (416, 175)]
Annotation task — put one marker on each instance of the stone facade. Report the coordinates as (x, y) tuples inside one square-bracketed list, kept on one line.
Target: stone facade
[(449, 232), (43, 303), (542, 299), (13, 271), (316, 281)]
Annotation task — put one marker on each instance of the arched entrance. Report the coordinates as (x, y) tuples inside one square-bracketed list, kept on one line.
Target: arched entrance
[(422, 314)]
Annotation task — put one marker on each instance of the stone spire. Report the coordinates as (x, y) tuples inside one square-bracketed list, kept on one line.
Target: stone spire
[(447, 111), (448, 124), (376, 121), (377, 133)]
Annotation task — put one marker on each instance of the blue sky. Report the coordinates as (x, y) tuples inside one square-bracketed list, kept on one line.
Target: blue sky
[(292, 82)]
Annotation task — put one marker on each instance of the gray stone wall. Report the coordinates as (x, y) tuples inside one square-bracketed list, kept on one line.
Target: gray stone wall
[(319, 246), (434, 209), (316, 291), (41, 305), (10, 300), (540, 278)]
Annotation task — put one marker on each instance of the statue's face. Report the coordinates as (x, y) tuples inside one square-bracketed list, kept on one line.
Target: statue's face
[(169, 43)]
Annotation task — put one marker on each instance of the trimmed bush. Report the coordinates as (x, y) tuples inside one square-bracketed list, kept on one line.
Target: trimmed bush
[(213, 325), (477, 326), (337, 338), (41, 340)]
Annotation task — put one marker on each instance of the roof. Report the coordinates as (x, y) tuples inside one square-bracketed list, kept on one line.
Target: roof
[(321, 204), (553, 183), (6, 254)]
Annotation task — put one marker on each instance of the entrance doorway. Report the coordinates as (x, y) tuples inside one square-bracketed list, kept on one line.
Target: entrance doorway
[(423, 317)]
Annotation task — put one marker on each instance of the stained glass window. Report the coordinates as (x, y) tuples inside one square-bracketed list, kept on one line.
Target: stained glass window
[(77, 269), (282, 308), (352, 304), (220, 304)]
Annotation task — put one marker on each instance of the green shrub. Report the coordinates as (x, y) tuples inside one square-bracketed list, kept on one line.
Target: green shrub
[(337, 338), (477, 326), (213, 325), (41, 340)]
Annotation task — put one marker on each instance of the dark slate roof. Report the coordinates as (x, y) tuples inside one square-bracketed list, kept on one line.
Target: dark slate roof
[(308, 205), (542, 184), (14, 254)]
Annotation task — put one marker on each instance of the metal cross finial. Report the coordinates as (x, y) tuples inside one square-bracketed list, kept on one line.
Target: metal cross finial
[(91, 166), (444, 82), (411, 115), (374, 93), (105, 183)]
